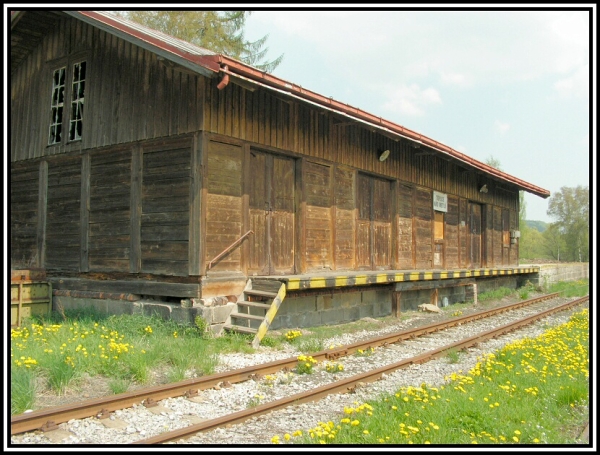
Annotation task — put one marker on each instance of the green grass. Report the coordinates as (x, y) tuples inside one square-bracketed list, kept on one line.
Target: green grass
[(453, 355), (124, 349), (495, 294), (577, 288), (22, 390), (533, 391)]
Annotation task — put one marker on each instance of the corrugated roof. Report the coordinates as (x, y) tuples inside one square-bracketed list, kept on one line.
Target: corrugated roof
[(208, 63)]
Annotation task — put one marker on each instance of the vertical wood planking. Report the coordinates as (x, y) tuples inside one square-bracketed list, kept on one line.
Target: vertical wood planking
[(318, 219), (42, 210), (135, 208), (85, 213), (195, 206)]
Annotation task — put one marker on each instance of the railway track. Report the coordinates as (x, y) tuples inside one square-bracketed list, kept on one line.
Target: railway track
[(103, 408)]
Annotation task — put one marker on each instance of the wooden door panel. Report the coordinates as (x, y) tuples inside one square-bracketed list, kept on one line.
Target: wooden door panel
[(382, 224), (382, 250), (374, 225), (475, 226), (363, 244), (282, 217), (258, 209)]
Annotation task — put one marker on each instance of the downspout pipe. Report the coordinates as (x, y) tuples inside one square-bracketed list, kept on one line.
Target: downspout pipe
[(225, 79)]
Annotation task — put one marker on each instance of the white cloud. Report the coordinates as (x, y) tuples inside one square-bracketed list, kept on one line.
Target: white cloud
[(501, 127), (460, 48), (410, 100), (576, 85)]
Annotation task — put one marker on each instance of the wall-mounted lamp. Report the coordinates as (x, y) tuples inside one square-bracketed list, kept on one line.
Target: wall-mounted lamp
[(483, 189), (383, 155)]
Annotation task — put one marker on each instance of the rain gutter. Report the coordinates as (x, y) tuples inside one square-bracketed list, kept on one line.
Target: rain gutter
[(239, 69)]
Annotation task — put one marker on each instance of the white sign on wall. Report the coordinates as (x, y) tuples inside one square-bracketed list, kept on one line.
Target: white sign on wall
[(440, 202)]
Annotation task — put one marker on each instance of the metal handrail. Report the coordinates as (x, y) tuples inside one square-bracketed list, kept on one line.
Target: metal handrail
[(228, 249)]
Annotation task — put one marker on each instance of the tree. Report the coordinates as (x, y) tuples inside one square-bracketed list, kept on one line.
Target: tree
[(531, 244), (494, 162), (570, 208), (554, 243), (218, 31)]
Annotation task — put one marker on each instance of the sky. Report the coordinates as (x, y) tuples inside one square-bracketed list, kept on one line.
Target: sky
[(512, 85)]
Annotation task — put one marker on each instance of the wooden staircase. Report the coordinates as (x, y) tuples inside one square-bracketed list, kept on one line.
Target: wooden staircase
[(256, 308)]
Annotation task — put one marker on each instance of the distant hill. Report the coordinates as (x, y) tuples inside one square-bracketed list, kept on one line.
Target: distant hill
[(541, 226)]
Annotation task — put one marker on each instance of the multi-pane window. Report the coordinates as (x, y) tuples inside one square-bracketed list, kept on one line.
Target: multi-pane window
[(77, 98), (57, 104), (74, 116)]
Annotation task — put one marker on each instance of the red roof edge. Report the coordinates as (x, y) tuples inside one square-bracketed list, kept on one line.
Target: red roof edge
[(268, 79)]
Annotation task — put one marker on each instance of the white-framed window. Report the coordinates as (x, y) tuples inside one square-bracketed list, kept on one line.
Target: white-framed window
[(67, 103)]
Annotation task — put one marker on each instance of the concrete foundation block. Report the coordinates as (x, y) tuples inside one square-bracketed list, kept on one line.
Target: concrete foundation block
[(156, 310), (324, 302), (305, 304), (309, 319), (331, 317), (117, 307), (221, 313), (383, 308), (365, 311), (184, 316), (351, 314), (347, 299), (217, 329)]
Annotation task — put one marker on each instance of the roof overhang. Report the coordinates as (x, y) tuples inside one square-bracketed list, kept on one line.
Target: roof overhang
[(172, 49), (389, 129)]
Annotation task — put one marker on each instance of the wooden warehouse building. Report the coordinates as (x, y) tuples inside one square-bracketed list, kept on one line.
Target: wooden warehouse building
[(147, 169)]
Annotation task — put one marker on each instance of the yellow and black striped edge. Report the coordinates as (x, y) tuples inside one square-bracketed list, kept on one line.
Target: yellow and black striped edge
[(271, 313), (316, 282)]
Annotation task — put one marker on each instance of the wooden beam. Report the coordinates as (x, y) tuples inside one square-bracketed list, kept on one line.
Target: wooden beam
[(195, 206), (85, 213), (41, 215), (135, 209), (142, 287)]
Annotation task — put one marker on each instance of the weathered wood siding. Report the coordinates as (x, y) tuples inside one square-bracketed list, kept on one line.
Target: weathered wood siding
[(405, 227), (451, 238), (423, 228), (109, 211), (129, 94), (166, 209), (345, 218), (224, 204), (319, 220), (63, 233), (497, 236), (24, 195), (463, 233)]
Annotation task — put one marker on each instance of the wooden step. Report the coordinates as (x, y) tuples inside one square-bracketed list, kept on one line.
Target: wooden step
[(264, 306), (257, 293), (237, 328), (247, 316), (266, 285)]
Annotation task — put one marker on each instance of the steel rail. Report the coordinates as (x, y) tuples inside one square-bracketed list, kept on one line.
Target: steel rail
[(349, 384), (48, 419)]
